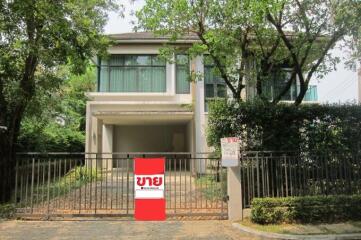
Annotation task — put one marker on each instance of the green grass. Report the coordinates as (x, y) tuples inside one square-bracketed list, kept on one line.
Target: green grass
[(306, 229)]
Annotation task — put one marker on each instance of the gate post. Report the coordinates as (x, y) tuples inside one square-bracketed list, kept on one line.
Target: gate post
[(234, 191)]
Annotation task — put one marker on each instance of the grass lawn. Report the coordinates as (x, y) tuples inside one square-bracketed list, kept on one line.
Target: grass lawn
[(306, 229)]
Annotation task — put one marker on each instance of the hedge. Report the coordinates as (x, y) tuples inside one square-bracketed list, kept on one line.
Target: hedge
[(307, 209), (7, 210), (263, 126)]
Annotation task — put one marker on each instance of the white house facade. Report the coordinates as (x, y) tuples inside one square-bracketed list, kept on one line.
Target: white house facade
[(145, 104)]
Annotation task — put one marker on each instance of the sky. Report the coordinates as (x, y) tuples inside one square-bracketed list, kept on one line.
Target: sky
[(337, 86)]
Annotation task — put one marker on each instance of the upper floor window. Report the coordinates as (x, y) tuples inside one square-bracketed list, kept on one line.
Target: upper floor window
[(214, 85), (278, 82), (132, 73), (182, 74)]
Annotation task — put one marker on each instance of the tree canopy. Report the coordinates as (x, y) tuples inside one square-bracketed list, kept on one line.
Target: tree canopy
[(248, 40), (38, 37), (55, 122)]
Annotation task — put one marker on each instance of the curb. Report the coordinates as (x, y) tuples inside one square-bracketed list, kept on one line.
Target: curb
[(267, 235)]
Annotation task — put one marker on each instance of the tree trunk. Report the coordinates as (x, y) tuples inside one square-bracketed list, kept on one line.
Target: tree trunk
[(7, 168), (302, 94)]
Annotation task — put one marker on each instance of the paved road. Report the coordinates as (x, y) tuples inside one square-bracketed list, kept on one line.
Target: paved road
[(119, 230)]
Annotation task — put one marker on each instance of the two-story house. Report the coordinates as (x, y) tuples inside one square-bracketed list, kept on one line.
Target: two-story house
[(144, 104)]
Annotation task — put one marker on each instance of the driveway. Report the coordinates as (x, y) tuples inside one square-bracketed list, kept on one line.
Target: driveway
[(101, 229)]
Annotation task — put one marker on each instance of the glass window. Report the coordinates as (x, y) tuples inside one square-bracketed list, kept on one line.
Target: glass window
[(132, 73), (278, 81), (209, 90), (182, 74), (143, 60), (157, 61), (214, 84)]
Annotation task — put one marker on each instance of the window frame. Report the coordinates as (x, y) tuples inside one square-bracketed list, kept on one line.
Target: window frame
[(187, 65), (219, 81), (109, 66)]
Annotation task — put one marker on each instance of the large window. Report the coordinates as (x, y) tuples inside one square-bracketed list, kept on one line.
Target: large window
[(182, 74), (278, 82), (214, 85), (132, 73)]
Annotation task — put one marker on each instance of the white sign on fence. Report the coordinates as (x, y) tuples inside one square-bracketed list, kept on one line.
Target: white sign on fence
[(149, 186), (230, 151)]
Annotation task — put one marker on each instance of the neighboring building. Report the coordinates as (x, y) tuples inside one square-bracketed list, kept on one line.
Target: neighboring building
[(143, 104)]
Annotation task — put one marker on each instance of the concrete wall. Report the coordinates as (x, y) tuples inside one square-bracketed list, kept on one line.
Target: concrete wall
[(150, 138)]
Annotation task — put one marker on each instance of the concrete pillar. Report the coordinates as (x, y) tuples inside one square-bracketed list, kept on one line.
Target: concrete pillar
[(199, 118), (234, 191), (107, 146), (93, 144)]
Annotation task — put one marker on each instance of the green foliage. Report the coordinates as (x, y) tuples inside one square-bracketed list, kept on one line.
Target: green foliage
[(268, 34), (285, 127), (55, 122), (73, 179), (307, 209), (211, 188), (7, 210), (38, 38), (223, 27)]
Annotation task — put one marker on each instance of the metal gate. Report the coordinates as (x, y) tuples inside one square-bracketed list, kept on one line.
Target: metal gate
[(79, 184)]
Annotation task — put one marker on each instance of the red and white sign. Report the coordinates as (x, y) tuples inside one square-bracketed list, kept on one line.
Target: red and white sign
[(149, 189), (149, 186), (230, 151)]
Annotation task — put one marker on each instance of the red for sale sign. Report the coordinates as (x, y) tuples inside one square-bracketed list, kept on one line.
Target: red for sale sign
[(149, 189)]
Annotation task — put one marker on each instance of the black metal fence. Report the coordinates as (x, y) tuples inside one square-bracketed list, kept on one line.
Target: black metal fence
[(276, 174), (103, 184)]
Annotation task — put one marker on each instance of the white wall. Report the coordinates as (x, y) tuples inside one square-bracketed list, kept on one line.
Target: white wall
[(150, 138)]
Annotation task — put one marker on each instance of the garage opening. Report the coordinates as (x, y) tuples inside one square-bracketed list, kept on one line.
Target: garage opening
[(152, 138)]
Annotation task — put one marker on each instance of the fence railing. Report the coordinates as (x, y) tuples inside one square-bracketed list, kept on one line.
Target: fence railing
[(276, 174), (103, 183), (89, 183)]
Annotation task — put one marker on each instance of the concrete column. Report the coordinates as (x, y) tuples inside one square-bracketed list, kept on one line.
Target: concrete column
[(171, 72), (199, 118), (107, 146), (234, 190), (93, 138)]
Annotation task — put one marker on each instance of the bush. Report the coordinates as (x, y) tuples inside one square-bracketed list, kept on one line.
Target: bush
[(263, 126), (308, 209), (7, 210)]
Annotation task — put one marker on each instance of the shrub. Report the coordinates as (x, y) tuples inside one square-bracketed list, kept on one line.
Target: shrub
[(7, 210), (286, 127), (308, 209)]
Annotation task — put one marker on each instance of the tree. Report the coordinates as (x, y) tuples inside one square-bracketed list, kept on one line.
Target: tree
[(250, 39), (223, 27), (55, 122), (317, 26), (36, 38)]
